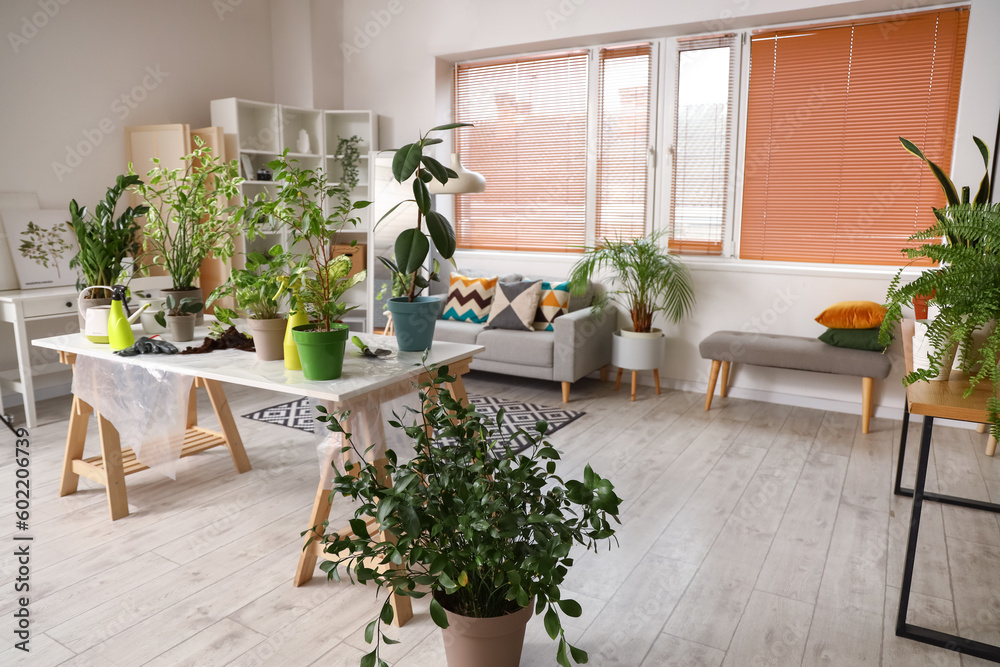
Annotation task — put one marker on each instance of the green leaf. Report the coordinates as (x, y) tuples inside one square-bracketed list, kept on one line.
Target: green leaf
[(368, 660), (448, 126), (442, 233), (387, 614), (410, 162), (360, 528), (571, 608), (422, 196), (398, 162), (552, 625), (561, 656), (436, 169), (579, 655), (437, 614), (370, 631), (411, 250)]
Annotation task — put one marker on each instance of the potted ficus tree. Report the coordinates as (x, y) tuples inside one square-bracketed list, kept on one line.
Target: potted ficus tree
[(105, 241), (488, 536), (965, 284), (319, 277), (414, 315), (256, 290), (190, 216), (645, 280), (179, 317)]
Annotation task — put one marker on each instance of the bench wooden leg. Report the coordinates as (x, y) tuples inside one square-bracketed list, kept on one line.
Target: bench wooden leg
[(867, 384), (713, 377), (618, 379), (724, 380), (565, 390)]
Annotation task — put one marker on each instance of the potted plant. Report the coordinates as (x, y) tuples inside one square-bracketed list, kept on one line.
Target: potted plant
[(319, 277), (154, 304), (105, 241), (965, 285), (256, 290), (488, 536), (646, 279), (190, 217), (179, 317), (413, 315)]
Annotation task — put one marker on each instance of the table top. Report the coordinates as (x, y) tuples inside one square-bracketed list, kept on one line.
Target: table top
[(13, 295), (945, 399), (360, 376)]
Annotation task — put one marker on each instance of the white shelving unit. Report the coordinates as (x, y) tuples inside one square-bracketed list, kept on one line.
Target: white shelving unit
[(258, 132)]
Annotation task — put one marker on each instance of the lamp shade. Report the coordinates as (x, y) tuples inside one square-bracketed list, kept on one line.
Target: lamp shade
[(467, 181)]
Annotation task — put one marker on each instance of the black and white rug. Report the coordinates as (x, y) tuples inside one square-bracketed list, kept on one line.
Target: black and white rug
[(517, 415)]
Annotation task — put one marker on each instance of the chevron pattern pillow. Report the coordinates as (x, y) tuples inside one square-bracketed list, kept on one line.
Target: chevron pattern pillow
[(469, 299), (554, 302)]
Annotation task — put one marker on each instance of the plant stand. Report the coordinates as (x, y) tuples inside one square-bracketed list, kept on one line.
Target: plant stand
[(313, 548), (114, 463), (656, 378)]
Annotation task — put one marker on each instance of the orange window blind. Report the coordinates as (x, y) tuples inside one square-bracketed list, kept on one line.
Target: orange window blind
[(702, 143), (623, 140), (530, 142), (825, 178)]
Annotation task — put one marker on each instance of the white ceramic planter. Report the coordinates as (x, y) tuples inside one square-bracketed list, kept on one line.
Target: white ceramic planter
[(148, 316), (637, 351)]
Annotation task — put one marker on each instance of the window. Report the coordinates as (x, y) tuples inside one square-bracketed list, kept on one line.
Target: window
[(825, 178), (534, 118), (702, 143)]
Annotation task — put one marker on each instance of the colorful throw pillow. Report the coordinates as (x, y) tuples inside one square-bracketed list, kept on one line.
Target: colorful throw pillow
[(469, 299), (852, 315), (514, 305), (554, 302), (853, 339)]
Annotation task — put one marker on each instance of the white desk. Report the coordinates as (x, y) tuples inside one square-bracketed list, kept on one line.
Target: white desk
[(20, 307), (361, 377)]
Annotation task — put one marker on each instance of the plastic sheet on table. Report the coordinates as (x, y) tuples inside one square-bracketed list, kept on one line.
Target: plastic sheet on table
[(147, 407)]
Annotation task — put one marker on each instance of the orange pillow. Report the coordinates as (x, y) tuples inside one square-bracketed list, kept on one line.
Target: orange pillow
[(852, 315)]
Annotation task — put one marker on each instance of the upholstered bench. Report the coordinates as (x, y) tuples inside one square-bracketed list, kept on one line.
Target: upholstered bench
[(793, 352)]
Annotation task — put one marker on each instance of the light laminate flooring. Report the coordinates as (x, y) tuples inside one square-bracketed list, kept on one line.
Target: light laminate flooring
[(753, 534)]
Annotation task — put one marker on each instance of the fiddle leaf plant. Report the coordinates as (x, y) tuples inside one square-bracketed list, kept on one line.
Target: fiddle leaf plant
[(105, 241), (486, 530), (257, 287), (412, 245)]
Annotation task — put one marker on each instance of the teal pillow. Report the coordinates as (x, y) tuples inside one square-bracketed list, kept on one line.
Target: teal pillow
[(853, 339)]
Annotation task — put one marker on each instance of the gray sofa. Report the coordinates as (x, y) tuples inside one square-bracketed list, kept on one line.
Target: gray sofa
[(579, 344)]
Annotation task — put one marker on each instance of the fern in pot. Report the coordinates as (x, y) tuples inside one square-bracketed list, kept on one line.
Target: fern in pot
[(488, 536), (645, 280)]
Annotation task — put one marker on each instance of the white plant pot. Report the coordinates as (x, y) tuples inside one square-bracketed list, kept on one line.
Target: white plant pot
[(637, 351)]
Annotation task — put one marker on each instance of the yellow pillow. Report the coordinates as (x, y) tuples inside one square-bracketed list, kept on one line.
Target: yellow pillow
[(852, 315)]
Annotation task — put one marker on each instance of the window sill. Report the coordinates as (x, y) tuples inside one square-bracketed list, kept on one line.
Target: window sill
[(868, 272)]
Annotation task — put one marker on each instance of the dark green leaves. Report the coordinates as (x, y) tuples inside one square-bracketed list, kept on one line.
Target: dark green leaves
[(437, 614), (442, 233), (449, 126), (411, 250), (421, 196), (552, 625)]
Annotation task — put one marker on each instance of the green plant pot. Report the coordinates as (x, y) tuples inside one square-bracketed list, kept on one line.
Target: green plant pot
[(414, 321), (321, 352)]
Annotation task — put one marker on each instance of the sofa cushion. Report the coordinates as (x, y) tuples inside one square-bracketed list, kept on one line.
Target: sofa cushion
[(553, 302), (451, 331), (469, 299), (517, 347), (514, 305)]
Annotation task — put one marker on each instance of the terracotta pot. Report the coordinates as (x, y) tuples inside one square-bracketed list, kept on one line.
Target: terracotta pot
[(194, 293), (485, 642), (181, 327), (268, 338)]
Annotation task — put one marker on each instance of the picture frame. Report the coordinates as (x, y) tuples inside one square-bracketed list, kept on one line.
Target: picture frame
[(41, 246)]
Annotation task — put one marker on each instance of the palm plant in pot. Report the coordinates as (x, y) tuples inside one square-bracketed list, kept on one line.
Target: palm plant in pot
[(646, 279), (488, 535), (190, 216), (257, 289), (179, 317), (106, 241), (414, 315), (964, 241), (319, 276)]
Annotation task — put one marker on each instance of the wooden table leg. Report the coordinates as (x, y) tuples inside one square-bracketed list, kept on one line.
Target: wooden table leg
[(76, 436), (310, 550), (225, 416), (192, 418), (114, 473)]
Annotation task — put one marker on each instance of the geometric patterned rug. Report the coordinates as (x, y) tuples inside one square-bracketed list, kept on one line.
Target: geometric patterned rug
[(517, 415)]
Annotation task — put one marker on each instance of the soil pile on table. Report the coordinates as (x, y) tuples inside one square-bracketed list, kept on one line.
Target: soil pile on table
[(230, 340)]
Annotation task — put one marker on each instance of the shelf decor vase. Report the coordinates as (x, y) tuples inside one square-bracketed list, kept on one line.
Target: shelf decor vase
[(295, 319)]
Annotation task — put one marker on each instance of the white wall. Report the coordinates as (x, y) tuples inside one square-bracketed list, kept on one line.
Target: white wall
[(64, 82), (397, 53)]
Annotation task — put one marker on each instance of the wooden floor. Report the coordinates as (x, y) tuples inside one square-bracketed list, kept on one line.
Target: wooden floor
[(754, 534)]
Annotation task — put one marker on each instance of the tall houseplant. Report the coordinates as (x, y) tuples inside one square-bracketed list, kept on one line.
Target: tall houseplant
[(964, 241), (645, 280), (320, 276), (414, 315), (190, 216), (489, 536), (257, 289)]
